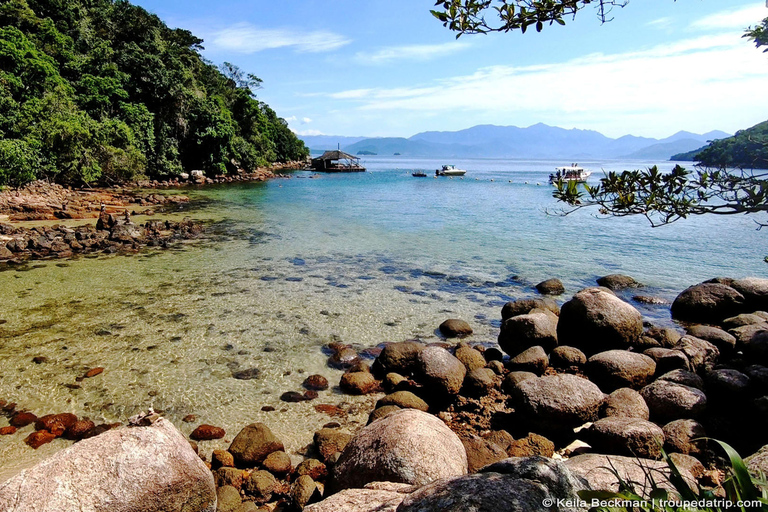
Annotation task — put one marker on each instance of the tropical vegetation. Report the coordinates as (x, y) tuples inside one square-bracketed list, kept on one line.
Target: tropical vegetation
[(102, 90)]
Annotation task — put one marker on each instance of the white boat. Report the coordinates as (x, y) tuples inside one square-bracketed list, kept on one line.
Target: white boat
[(570, 173), (450, 170)]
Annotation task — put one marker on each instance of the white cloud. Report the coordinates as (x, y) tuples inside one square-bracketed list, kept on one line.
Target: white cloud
[(247, 38), (305, 120), (739, 19), (679, 84), (309, 132), (660, 23), (417, 52)]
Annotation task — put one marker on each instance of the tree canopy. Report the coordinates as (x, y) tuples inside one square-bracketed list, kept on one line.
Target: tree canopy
[(483, 16), (102, 90)]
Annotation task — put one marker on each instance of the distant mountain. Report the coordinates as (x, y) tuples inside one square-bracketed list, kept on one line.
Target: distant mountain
[(325, 142), (536, 141)]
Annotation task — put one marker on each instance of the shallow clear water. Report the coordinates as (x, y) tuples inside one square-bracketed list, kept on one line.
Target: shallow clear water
[(293, 264)]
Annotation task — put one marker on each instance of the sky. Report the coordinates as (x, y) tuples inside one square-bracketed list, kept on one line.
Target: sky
[(389, 68)]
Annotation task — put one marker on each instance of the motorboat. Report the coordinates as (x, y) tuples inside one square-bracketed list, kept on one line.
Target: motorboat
[(450, 170), (570, 173), (419, 174)]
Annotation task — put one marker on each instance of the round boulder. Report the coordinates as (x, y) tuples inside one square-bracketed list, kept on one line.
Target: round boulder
[(455, 328), (725, 343), (626, 436), (440, 371), (707, 303), (755, 292), (359, 383), (407, 446), (533, 360), (557, 402), (252, 445), (552, 286), (685, 378), (684, 436), (618, 282), (670, 401), (403, 400), (595, 320), (471, 358), (567, 357), (479, 382), (616, 369), (539, 327), (399, 358), (625, 403), (524, 306)]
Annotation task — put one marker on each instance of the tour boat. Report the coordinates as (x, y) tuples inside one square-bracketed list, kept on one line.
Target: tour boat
[(450, 170), (570, 173)]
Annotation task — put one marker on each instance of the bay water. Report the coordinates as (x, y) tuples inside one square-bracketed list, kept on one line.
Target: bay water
[(292, 264)]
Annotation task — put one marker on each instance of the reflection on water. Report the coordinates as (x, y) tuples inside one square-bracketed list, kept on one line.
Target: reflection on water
[(293, 264)]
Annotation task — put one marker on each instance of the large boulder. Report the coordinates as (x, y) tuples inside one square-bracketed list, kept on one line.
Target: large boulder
[(707, 303), (440, 371), (142, 468), (595, 320), (521, 332), (557, 402), (252, 445), (359, 500), (604, 471), (755, 292), (626, 436), (725, 343), (512, 484), (625, 403), (407, 446), (524, 306), (400, 358), (616, 369), (669, 400), (618, 282), (702, 355)]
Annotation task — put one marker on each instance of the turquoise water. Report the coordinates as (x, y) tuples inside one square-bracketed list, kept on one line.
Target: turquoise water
[(295, 263)]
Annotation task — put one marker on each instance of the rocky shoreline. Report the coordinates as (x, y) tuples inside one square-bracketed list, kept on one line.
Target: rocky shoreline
[(570, 391)]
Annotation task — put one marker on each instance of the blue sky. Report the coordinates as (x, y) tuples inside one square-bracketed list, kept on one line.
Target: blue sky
[(388, 68)]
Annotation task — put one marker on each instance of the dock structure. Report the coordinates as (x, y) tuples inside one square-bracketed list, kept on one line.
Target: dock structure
[(337, 161)]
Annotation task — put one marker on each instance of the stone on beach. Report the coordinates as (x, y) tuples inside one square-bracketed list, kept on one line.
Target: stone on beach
[(407, 446), (158, 471), (252, 445), (455, 328), (707, 303), (440, 371)]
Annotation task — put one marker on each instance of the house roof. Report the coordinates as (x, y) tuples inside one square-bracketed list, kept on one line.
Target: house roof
[(336, 155)]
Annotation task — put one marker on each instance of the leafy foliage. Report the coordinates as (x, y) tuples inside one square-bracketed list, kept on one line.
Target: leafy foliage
[(667, 197), (470, 16), (101, 90), (747, 149)]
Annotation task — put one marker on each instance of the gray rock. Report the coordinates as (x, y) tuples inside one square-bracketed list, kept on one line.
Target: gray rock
[(552, 286), (755, 292), (680, 436), (625, 403), (359, 500), (618, 282), (666, 336), (513, 379), (668, 359), (725, 343), (403, 400), (670, 401), (481, 452), (524, 306), (687, 464), (252, 445), (440, 371), (228, 499), (521, 332), (707, 303), (513, 484), (470, 357), (625, 436), (158, 471), (558, 402), (532, 360), (566, 357), (400, 358), (685, 378), (595, 320), (616, 369), (742, 320), (407, 446), (599, 471), (701, 354), (302, 490), (479, 382), (260, 484), (726, 383), (455, 328)]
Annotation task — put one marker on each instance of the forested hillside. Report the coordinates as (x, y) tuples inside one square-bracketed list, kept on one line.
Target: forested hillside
[(747, 149), (103, 91)]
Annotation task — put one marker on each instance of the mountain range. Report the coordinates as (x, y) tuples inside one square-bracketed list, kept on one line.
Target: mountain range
[(537, 141)]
